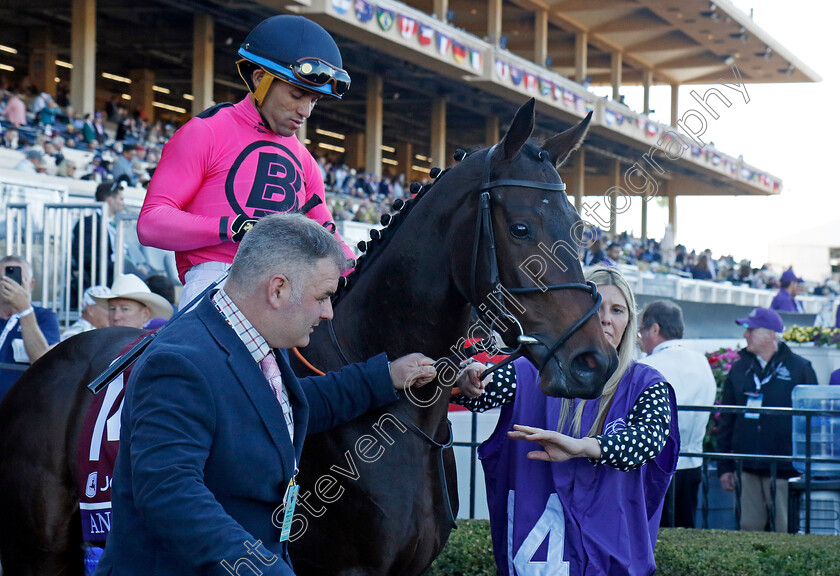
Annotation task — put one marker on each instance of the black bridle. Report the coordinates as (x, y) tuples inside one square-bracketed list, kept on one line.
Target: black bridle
[(484, 228)]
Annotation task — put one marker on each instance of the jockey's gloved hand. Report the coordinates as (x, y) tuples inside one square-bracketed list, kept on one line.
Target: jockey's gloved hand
[(240, 225)]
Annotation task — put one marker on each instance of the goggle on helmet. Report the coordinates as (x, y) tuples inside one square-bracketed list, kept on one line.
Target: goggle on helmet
[(295, 50)]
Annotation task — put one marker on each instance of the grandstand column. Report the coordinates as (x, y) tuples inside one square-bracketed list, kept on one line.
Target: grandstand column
[(540, 37), (494, 21), (438, 144), (373, 125), (647, 81), (202, 73), (578, 177), (615, 75), (405, 158), (83, 57), (142, 95), (675, 101), (301, 132), (615, 181), (672, 209), (581, 40), (644, 217), (354, 150), (491, 130), (42, 68), (440, 9)]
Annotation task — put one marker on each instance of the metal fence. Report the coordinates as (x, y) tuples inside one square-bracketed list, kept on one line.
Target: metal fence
[(800, 512)]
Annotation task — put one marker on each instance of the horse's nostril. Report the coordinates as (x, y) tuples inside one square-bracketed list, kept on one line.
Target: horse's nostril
[(590, 360)]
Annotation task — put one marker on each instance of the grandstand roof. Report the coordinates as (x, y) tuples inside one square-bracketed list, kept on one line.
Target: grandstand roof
[(677, 41)]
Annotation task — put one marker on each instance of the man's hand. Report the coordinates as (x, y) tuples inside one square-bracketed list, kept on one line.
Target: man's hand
[(557, 447), (240, 225), (468, 380), (14, 294), (412, 370), (727, 481)]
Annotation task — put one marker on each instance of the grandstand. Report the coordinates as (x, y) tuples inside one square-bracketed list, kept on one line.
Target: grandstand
[(428, 77)]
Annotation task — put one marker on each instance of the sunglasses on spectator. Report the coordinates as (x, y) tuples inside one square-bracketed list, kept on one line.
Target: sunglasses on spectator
[(316, 72)]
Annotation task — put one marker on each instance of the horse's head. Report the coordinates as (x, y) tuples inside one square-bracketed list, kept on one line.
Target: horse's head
[(524, 275)]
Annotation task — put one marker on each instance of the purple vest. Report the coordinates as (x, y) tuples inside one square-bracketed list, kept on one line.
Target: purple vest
[(573, 518)]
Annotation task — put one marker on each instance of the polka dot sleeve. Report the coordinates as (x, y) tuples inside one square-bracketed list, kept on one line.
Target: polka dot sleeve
[(500, 390), (648, 427)]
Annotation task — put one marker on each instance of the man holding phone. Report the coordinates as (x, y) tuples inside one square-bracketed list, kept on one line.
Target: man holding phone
[(28, 331)]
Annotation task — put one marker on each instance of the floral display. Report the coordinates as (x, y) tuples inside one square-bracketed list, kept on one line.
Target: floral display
[(816, 335)]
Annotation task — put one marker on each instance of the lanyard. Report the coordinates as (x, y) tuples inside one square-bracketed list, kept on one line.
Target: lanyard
[(10, 325), (765, 380)]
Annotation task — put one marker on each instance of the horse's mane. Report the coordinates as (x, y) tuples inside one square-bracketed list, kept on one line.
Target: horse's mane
[(380, 238), (391, 222)]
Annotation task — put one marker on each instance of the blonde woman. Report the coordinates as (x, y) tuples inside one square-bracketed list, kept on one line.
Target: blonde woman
[(66, 168), (595, 490)]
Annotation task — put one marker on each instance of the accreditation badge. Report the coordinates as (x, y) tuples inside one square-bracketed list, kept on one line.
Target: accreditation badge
[(289, 501), (754, 400)]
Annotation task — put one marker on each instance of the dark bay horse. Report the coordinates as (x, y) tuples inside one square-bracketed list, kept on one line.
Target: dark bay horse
[(378, 495)]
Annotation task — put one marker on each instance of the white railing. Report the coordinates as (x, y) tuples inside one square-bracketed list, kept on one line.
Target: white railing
[(679, 288)]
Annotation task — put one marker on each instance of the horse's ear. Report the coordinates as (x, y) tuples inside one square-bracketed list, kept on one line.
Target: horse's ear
[(562, 145), (520, 129)]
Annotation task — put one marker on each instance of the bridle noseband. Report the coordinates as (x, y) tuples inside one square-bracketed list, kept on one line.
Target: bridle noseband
[(484, 228)]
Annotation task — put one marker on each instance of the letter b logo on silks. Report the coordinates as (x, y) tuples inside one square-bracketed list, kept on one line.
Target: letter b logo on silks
[(265, 178)]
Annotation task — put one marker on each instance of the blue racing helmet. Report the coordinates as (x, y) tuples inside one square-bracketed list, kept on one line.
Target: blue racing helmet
[(296, 50)]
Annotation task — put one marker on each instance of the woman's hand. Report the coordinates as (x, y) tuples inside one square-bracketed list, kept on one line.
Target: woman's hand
[(468, 380), (557, 447)]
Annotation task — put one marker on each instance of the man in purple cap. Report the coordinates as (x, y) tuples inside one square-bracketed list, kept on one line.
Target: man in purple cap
[(791, 285), (763, 377)]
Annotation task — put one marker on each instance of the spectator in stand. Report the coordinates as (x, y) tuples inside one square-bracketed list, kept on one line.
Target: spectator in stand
[(651, 253), (614, 255), (113, 108), (99, 128), (710, 263), (791, 285), (33, 163), (93, 315), (112, 194), (595, 254), (123, 169), (340, 173), (47, 115), (701, 270), (15, 110), (131, 303), (66, 169), (39, 103), (28, 330), (689, 373), (764, 376), (11, 138)]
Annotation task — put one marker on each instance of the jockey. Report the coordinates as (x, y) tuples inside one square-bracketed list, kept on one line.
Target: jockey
[(234, 163)]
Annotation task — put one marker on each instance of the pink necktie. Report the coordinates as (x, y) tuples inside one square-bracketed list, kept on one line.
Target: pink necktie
[(272, 373)]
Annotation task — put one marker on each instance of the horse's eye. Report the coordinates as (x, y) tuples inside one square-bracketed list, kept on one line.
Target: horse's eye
[(519, 230)]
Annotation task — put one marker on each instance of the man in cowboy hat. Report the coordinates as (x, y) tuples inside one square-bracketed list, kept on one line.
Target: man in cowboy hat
[(132, 304)]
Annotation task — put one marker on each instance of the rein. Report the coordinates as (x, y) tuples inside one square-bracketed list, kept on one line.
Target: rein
[(484, 227)]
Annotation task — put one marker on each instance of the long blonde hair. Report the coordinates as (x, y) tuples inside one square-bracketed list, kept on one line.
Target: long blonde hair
[(626, 352)]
